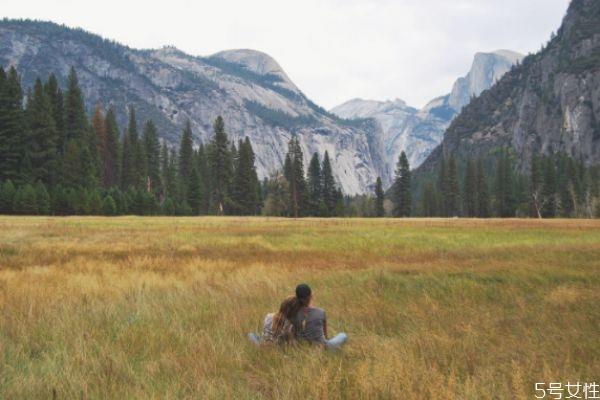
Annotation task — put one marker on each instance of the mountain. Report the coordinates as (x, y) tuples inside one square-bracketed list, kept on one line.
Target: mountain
[(248, 88), (418, 132), (550, 103)]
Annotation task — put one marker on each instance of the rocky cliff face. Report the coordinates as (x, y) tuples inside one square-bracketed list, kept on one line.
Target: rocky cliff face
[(418, 132), (248, 88), (549, 103)]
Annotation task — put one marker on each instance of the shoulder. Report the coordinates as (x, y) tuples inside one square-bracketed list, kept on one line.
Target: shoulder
[(269, 318), (319, 312)]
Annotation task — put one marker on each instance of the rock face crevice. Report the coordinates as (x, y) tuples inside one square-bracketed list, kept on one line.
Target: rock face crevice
[(549, 103), (248, 88)]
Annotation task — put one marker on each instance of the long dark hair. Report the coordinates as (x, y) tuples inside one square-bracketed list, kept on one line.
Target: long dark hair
[(287, 310)]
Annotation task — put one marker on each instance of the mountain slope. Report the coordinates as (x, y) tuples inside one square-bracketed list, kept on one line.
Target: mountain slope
[(418, 132), (550, 103), (248, 88)]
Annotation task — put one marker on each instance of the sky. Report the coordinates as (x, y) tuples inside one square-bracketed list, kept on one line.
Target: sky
[(333, 50)]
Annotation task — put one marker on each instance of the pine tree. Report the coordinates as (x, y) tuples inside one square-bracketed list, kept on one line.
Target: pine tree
[(246, 180), (315, 185), (277, 198), (172, 179), (152, 152), (71, 165), (504, 187), (402, 196), (443, 187), (59, 201), (221, 167), (430, 201), (130, 176), (141, 170), (566, 190), (329, 187), (452, 193), (42, 136), (294, 173), (24, 202), (75, 118), (109, 207), (12, 146), (340, 204), (379, 198), (195, 195), (7, 196), (483, 195), (203, 170), (55, 97), (186, 154), (95, 201), (100, 138), (110, 170), (164, 166), (470, 190), (536, 187), (42, 199), (549, 201)]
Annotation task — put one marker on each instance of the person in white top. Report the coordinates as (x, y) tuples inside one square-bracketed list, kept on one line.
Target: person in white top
[(277, 327)]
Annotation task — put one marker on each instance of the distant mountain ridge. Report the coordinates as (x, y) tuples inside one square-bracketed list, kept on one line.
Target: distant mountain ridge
[(418, 132), (248, 88), (550, 103)]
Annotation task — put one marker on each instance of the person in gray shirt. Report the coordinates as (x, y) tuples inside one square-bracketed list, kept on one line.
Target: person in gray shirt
[(310, 323)]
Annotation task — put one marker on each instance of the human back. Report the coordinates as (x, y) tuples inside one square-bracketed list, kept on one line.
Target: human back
[(309, 324)]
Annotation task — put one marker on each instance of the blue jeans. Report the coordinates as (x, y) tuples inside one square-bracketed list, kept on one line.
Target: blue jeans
[(334, 343), (253, 337), (337, 341)]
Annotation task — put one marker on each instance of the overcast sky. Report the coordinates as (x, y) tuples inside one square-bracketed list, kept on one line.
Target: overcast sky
[(334, 50)]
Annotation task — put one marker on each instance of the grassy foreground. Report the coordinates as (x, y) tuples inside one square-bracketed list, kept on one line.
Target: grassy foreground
[(159, 307)]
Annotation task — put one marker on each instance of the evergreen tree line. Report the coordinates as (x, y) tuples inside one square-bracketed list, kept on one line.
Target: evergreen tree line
[(292, 193), (556, 186), (55, 160), (400, 197)]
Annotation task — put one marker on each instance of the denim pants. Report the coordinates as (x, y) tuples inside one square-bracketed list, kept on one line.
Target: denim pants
[(334, 343), (337, 341), (253, 337)]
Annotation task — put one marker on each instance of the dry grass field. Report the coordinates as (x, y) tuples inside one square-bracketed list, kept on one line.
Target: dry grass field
[(159, 307)]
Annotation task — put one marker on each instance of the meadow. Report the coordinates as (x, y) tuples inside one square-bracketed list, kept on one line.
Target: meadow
[(158, 308)]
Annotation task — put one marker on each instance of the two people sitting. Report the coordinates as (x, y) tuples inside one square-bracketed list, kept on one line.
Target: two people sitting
[(298, 319)]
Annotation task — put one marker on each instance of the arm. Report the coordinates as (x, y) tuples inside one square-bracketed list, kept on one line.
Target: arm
[(325, 328)]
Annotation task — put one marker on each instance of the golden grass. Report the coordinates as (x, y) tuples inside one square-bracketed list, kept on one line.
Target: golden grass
[(159, 307)]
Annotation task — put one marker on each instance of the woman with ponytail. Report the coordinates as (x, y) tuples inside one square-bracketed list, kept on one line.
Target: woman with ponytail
[(277, 327)]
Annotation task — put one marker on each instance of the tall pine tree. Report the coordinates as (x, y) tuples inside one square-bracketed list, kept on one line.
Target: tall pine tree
[(470, 190), (483, 193), (315, 186), (246, 180), (42, 136), (221, 167), (402, 196), (110, 156), (329, 186), (130, 175), (152, 157), (12, 143), (379, 198), (452, 192), (294, 173)]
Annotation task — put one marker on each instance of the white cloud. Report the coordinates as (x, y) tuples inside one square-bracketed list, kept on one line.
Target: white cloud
[(334, 50)]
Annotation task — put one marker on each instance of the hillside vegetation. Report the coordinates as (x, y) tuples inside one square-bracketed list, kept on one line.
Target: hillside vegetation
[(159, 307)]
